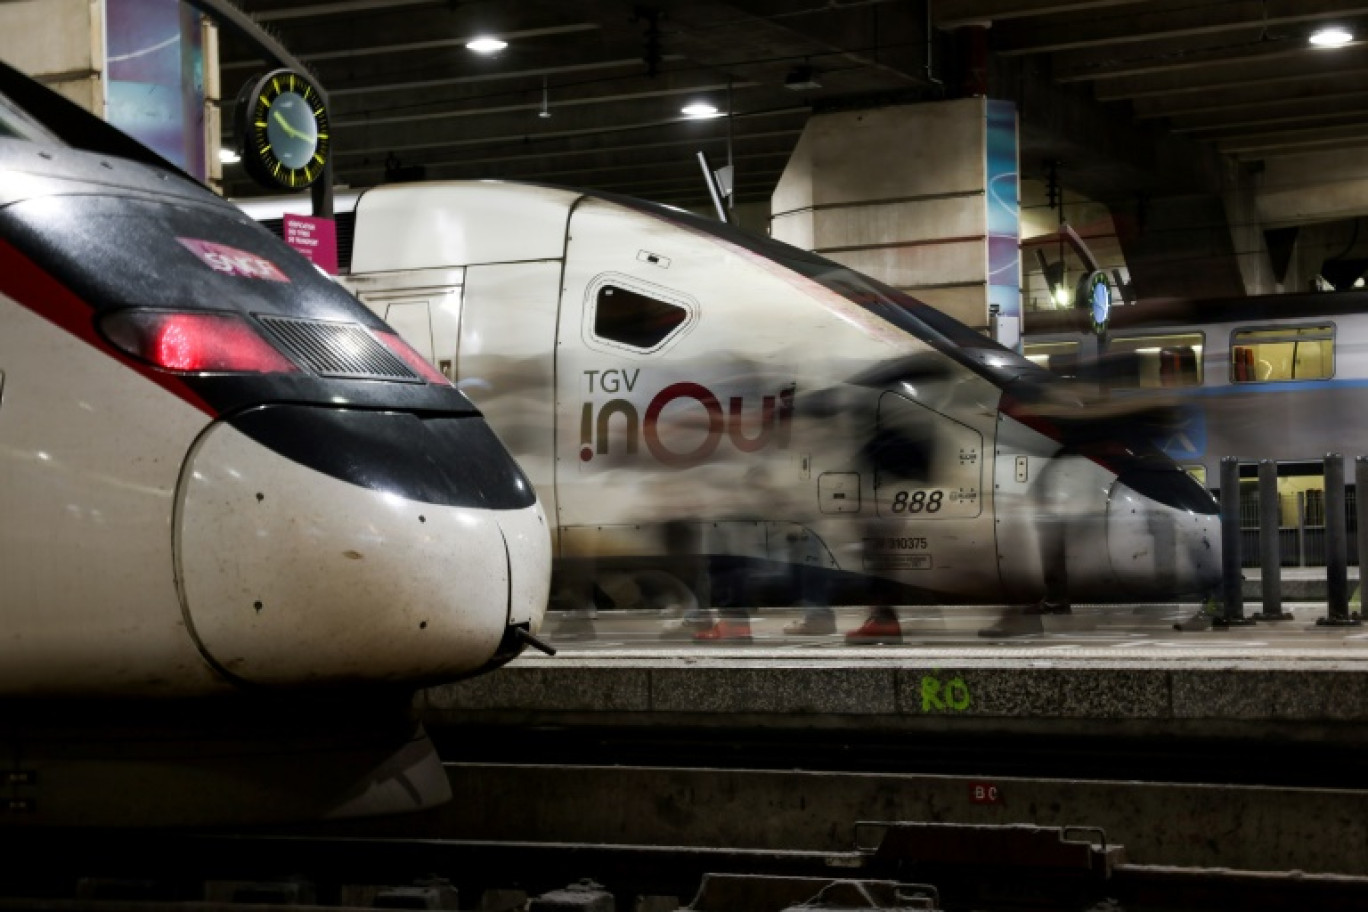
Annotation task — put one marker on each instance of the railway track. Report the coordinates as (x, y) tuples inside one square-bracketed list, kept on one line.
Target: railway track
[(911, 866)]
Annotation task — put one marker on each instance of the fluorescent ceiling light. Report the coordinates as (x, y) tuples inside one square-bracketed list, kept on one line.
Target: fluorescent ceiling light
[(1332, 37), (486, 45), (700, 110), (229, 157)]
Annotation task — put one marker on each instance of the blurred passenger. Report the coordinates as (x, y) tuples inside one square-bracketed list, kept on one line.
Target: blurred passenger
[(881, 628), (575, 600), (727, 583), (685, 561), (809, 581), (1053, 516), (904, 453)]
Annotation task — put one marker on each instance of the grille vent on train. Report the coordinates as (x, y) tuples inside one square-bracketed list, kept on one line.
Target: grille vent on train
[(341, 350)]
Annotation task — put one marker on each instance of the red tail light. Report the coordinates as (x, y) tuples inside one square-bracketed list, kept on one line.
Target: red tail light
[(417, 362), (192, 343)]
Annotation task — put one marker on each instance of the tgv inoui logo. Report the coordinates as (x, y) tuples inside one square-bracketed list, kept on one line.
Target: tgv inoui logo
[(695, 407)]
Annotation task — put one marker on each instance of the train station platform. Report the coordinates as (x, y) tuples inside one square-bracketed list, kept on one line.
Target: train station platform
[(1189, 744), (1143, 670)]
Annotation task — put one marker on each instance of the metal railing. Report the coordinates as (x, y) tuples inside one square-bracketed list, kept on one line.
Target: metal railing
[(1337, 514), (1301, 544)]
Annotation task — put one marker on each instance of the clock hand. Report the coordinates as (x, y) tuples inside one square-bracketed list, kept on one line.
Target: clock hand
[(285, 125)]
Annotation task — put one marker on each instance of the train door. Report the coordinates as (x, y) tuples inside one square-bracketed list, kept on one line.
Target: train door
[(929, 498), (423, 306), (638, 420), (507, 362)]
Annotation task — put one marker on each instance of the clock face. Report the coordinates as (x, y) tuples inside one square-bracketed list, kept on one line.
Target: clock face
[(1099, 301), (284, 125)]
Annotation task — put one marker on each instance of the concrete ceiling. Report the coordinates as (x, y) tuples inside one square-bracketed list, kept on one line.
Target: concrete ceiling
[(1129, 97)]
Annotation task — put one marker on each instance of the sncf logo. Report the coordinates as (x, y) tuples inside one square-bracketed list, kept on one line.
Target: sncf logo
[(234, 262), (697, 425)]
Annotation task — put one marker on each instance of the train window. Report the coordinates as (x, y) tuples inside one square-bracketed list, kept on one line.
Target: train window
[(1283, 353), (1057, 357), (1150, 362), (629, 314)]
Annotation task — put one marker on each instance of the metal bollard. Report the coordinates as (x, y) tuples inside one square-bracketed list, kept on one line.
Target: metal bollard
[(1270, 545), (1336, 547), (1361, 515), (1231, 577)]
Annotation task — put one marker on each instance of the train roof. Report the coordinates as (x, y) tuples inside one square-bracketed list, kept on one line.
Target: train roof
[(445, 223)]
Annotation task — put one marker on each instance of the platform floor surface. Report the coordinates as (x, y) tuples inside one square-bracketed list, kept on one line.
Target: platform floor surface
[(989, 630)]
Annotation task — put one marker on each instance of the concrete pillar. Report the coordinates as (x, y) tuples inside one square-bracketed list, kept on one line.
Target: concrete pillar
[(922, 197), (1180, 247), (112, 58), (60, 43), (1251, 251)]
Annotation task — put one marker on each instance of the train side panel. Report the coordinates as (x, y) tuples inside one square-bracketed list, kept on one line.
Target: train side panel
[(723, 423), (79, 431), (506, 359)]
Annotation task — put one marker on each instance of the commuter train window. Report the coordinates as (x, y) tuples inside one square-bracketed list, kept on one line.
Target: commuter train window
[(1057, 357), (628, 314), (1282, 353), (1153, 362)]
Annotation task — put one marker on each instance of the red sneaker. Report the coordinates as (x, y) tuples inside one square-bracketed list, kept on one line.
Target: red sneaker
[(725, 631), (876, 631)]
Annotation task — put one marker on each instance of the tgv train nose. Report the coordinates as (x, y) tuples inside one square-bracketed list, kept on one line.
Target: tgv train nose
[(1163, 535), (318, 546)]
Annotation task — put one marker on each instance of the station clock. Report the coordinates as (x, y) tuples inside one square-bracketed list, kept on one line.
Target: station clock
[(282, 125), (1095, 295)]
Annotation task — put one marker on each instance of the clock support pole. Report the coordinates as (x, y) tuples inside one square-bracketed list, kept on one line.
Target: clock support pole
[(243, 26)]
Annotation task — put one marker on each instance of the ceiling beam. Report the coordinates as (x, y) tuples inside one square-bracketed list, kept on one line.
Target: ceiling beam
[(342, 8), (621, 155), (560, 105), (1047, 34), (1238, 102), (1293, 140), (513, 133), (1311, 119), (1075, 67), (621, 63), (1235, 74), (953, 14), (408, 47)]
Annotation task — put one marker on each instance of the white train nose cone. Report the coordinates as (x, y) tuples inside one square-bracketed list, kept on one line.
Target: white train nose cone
[(1164, 540), (289, 575)]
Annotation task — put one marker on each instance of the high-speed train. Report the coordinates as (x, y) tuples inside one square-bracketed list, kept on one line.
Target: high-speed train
[(221, 476), (691, 400)]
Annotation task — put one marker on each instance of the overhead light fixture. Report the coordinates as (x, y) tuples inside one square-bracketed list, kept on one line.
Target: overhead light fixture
[(1060, 294), (700, 110), (1332, 36), (1344, 274), (545, 108), (486, 45), (229, 157)]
